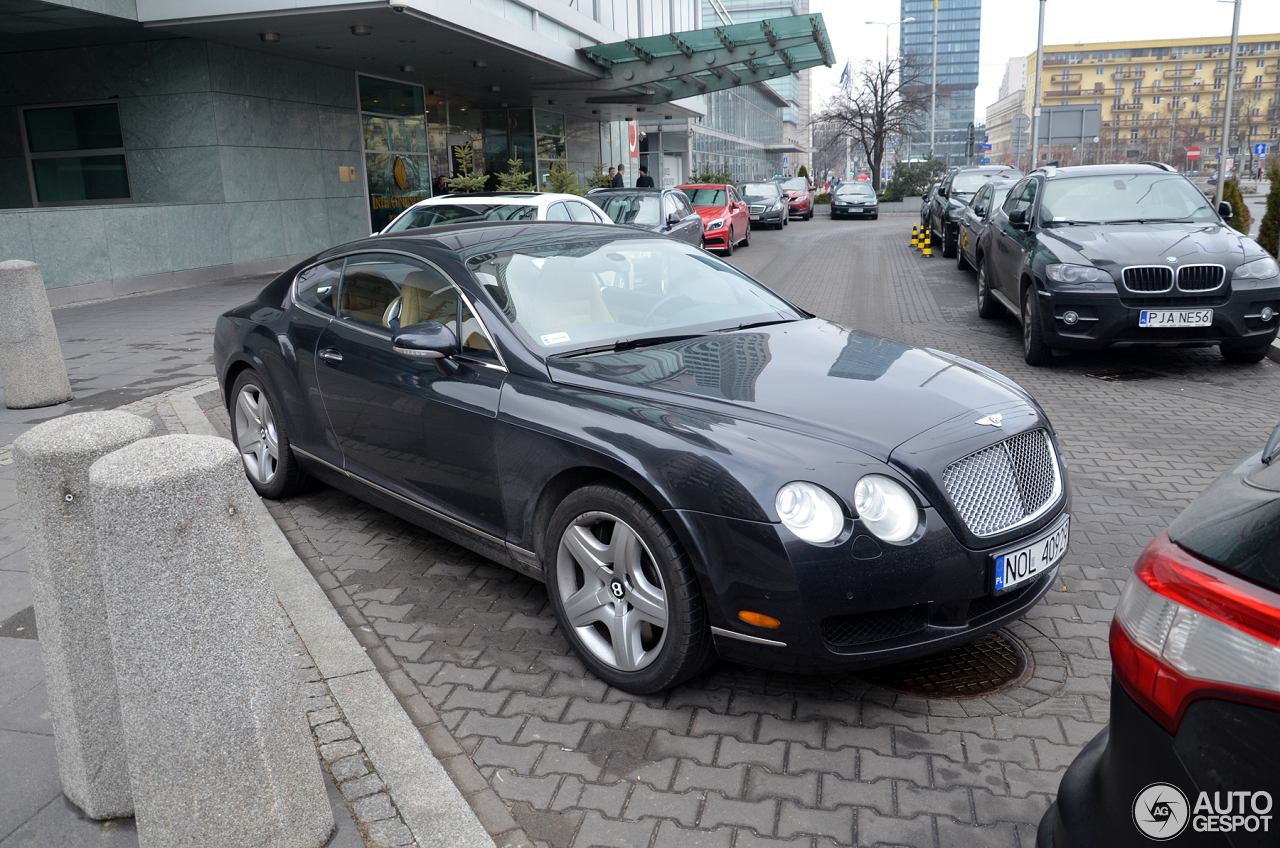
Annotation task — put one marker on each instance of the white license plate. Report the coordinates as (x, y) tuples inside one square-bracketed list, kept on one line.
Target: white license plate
[(755, 217), (1022, 564), (1176, 318)]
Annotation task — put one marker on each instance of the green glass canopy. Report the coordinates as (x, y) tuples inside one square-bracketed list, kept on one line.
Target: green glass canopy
[(684, 64)]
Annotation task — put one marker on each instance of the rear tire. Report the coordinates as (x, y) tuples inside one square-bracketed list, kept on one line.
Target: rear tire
[(962, 264), (1244, 354), (624, 593), (988, 306), (262, 438), (949, 246), (1034, 349), (746, 239)]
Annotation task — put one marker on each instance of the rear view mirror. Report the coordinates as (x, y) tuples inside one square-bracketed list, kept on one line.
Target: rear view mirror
[(673, 218), (1018, 218), (1225, 210)]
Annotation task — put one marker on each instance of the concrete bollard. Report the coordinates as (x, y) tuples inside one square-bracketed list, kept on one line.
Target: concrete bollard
[(51, 467), (218, 748), (30, 357)]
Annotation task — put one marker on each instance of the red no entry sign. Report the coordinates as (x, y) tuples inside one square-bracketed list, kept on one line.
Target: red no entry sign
[(1193, 153)]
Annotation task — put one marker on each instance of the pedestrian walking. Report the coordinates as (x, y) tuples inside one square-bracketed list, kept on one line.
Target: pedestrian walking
[(619, 179), (644, 180), (613, 173)]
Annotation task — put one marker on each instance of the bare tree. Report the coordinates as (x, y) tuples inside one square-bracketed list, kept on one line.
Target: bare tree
[(881, 102)]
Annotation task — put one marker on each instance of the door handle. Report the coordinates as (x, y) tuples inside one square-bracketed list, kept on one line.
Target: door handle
[(331, 356)]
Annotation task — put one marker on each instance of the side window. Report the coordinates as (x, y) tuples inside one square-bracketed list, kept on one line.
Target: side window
[(733, 195), (387, 292), (1021, 198), (558, 212), (581, 212), (317, 287)]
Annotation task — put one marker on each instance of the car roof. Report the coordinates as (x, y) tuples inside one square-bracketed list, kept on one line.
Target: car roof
[(468, 239), (625, 190), (704, 185), (1053, 173), (527, 198)]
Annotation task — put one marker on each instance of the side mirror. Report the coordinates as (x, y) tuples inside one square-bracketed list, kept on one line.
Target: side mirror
[(429, 340), (1225, 210), (673, 218), (1018, 218)]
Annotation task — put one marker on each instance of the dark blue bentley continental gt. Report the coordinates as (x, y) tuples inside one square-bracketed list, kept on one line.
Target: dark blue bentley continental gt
[(690, 463)]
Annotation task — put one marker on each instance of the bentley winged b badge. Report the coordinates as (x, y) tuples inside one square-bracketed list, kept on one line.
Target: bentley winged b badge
[(993, 420)]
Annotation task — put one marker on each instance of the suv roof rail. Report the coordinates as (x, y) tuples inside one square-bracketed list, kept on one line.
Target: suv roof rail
[(1162, 166)]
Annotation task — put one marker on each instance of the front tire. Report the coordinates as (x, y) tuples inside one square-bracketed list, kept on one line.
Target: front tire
[(1244, 354), (624, 592), (263, 440), (1034, 348), (729, 243)]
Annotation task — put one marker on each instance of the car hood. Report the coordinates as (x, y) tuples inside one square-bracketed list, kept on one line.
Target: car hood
[(1147, 244), (810, 376), (712, 213)]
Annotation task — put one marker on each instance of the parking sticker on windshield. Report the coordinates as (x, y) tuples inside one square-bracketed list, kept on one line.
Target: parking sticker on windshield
[(555, 338)]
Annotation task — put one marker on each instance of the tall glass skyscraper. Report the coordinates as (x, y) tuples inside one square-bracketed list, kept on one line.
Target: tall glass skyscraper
[(959, 24)]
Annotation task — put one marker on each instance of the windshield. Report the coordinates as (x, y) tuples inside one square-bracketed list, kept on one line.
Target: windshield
[(641, 210), (968, 182), (761, 190), (458, 213), (855, 188), (442, 214), (705, 196), (1124, 197), (796, 184), (569, 296)]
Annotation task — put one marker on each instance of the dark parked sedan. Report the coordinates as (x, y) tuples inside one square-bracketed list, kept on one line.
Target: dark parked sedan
[(977, 216), (1194, 738), (855, 200), (664, 211), (1117, 255), (690, 463), (766, 202)]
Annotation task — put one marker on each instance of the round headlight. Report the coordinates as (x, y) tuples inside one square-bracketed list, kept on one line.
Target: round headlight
[(886, 508), (810, 512)]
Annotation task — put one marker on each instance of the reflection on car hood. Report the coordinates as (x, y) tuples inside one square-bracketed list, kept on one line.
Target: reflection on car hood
[(1147, 244), (810, 376)]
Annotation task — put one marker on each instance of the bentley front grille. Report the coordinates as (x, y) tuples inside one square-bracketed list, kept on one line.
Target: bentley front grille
[(1005, 485)]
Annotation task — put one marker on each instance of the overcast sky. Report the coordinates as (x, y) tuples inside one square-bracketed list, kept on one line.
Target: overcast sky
[(1009, 29)]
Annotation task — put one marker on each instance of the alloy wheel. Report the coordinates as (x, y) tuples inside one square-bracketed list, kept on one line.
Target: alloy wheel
[(613, 593), (256, 435)]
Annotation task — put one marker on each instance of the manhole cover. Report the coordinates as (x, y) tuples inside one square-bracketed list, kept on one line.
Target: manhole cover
[(986, 665), (1122, 376)]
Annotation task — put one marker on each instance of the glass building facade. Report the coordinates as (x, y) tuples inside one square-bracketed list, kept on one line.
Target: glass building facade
[(959, 26)]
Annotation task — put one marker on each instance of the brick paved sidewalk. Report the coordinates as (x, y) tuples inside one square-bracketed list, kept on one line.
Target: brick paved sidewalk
[(739, 757)]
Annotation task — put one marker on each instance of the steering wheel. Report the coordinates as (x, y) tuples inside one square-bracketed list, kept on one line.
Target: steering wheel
[(663, 301)]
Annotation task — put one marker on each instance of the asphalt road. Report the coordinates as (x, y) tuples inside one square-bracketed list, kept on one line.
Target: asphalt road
[(739, 757)]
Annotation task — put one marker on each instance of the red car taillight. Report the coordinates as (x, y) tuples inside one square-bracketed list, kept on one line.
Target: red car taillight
[(1186, 630)]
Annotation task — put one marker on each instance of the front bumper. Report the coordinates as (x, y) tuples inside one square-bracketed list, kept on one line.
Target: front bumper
[(858, 604), (853, 210), (717, 238), (1108, 318), (767, 217)]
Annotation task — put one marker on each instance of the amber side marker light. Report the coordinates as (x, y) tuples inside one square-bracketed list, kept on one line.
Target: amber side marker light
[(759, 620)]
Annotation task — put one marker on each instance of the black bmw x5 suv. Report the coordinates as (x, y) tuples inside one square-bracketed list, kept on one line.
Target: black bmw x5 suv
[(1115, 255)]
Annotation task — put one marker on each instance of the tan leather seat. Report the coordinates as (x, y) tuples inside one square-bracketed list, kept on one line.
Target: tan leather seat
[(565, 296), (424, 296)]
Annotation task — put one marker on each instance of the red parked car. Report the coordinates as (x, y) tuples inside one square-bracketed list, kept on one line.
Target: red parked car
[(725, 220), (800, 196)]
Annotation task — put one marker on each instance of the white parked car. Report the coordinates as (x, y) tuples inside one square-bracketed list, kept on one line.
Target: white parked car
[(496, 206)]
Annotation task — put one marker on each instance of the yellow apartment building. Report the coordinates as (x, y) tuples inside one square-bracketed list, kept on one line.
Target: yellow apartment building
[(1159, 98)]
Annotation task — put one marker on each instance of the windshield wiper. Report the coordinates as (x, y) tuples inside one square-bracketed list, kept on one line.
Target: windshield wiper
[(1074, 223), (1150, 221), (753, 324), (627, 344)]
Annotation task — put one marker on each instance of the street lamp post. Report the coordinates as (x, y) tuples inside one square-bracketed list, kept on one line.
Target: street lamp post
[(1224, 147), (933, 88), (1035, 104), (886, 25)]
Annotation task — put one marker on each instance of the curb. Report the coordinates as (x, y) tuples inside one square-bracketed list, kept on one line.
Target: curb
[(431, 805), (1274, 353)]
